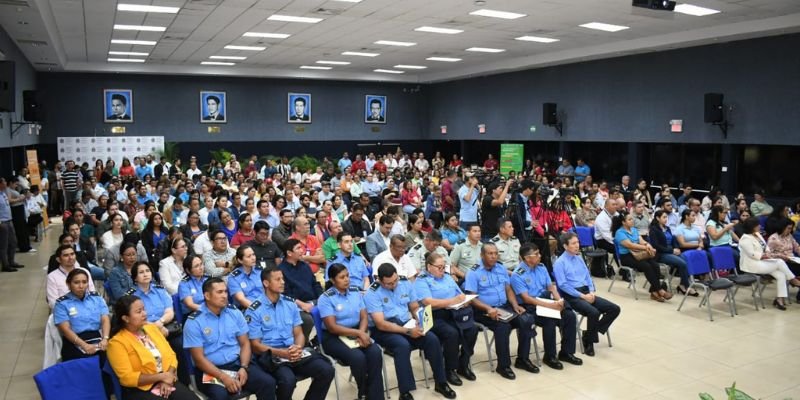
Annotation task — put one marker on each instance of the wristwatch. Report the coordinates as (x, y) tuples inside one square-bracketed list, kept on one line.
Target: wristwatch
[(245, 367)]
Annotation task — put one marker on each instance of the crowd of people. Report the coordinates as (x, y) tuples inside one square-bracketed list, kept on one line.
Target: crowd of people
[(254, 253)]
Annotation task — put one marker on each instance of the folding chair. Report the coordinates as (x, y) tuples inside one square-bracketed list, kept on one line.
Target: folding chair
[(722, 257), (58, 381), (631, 272), (580, 318), (490, 342), (244, 394), (588, 248), (114, 379), (697, 264)]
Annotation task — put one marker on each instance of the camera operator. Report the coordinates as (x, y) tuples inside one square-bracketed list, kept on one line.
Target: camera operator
[(493, 207), (469, 195)]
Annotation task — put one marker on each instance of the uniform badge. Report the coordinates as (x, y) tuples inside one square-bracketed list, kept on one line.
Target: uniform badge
[(339, 307), (527, 280), (73, 311), (243, 285), (483, 279), (247, 318), (194, 291), (206, 331), (385, 299), (266, 318)]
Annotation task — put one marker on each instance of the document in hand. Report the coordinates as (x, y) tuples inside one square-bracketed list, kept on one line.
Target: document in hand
[(547, 312), (505, 315), (464, 303), (424, 316), (210, 380)]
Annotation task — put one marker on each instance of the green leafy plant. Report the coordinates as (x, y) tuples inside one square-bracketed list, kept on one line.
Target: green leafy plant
[(732, 392), (304, 162), (263, 159), (171, 151)]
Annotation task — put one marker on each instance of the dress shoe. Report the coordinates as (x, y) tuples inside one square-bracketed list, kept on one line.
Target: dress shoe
[(588, 348), (553, 363), (18, 266), (453, 379), (467, 373), (444, 389), (655, 296), (506, 373), (779, 306), (570, 358), (406, 396), (665, 294), (9, 269), (527, 365)]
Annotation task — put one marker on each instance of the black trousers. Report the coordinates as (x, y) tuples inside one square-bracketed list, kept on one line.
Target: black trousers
[(566, 324), (365, 365), (453, 340), (181, 393), (318, 369), (524, 324), (21, 228), (599, 315), (649, 267)]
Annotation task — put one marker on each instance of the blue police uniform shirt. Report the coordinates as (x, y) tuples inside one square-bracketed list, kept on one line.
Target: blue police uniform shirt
[(428, 286), (273, 323), (192, 287), (356, 267), (82, 314), (5, 208), (469, 209), (533, 282), (392, 303), (490, 285), (156, 300), (216, 335), (346, 307), (249, 284)]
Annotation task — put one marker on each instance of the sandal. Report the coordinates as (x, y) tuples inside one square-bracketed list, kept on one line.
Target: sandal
[(692, 292), (655, 296), (665, 294)]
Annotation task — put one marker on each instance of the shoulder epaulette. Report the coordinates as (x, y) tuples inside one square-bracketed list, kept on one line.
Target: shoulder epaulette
[(232, 307), (258, 266), (496, 239), (254, 305), (194, 314), (354, 288), (186, 278), (131, 291), (333, 257), (158, 285), (474, 267), (330, 292), (403, 278), (375, 285), (236, 272), (94, 294), (513, 238), (207, 276), (289, 298), (520, 271), (417, 246), (62, 298), (498, 263), (461, 241)]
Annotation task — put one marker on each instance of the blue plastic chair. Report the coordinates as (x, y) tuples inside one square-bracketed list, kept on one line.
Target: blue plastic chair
[(697, 264), (177, 307), (723, 260), (108, 370), (58, 381), (588, 248)]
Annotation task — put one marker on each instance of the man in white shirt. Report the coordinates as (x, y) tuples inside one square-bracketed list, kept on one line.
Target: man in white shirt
[(422, 164), (604, 238), (193, 170), (396, 255)]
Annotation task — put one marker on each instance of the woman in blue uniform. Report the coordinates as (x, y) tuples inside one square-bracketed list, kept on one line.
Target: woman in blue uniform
[(344, 314), (82, 319), (190, 288)]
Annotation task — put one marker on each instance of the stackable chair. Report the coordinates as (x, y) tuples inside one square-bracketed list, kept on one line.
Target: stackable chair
[(697, 264), (722, 258)]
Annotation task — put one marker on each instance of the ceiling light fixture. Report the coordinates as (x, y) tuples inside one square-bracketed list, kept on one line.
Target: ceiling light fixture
[(290, 18), (497, 14), (333, 62), (139, 42), (389, 71), (536, 39), (359, 54), (248, 48), (240, 58), (697, 11), (605, 27), (485, 50), (143, 28), (267, 35), (128, 53), (404, 66), (350, 1), (395, 43), (216, 63), (314, 67), (128, 60), (144, 8), (443, 59), (433, 29)]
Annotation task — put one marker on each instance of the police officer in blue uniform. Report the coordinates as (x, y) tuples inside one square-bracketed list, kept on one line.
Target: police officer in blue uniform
[(490, 281), (82, 319), (274, 326), (531, 283), (392, 302), (454, 328), (356, 266), (216, 337), (190, 288), (344, 315), (244, 282)]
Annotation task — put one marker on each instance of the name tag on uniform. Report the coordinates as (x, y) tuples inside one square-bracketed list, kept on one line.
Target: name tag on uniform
[(73, 311), (339, 307)]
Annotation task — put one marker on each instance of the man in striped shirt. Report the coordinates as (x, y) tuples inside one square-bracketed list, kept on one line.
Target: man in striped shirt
[(71, 183)]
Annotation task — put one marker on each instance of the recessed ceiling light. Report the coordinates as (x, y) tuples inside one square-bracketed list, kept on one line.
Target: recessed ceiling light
[(536, 39), (267, 35), (333, 62), (129, 60), (139, 42), (216, 63), (443, 59), (360, 54), (128, 53), (497, 14), (605, 27), (404, 66), (485, 50), (389, 71), (249, 48), (433, 29), (140, 28), (290, 18), (350, 1), (395, 43), (314, 67), (695, 10), (144, 8), (228, 58)]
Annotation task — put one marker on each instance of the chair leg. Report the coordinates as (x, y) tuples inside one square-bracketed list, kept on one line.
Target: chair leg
[(733, 298), (613, 279), (706, 299), (608, 337), (755, 294), (536, 351), (732, 305), (762, 286), (685, 295), (488, 348), (424, 369), (385, 375), (578, 331)]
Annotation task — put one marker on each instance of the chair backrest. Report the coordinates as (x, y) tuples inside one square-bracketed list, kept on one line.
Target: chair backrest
[(114, 379), (107, 288), (722, 257), (176, 307), (317, 322), (58, 381), (585, 236), (697, 262), (762, 222)]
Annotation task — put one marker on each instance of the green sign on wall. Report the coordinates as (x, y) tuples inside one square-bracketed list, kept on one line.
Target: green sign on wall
[(511, 157)]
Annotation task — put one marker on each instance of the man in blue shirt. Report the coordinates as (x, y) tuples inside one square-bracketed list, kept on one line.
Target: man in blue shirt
[(468, 196), (143, 169), (274, 327), (582, 171), (216, 337), (344, 162), (8, 238), (356, 266), (490, 281), (575, 283), (301, 284), (533, 287), (391, 303)]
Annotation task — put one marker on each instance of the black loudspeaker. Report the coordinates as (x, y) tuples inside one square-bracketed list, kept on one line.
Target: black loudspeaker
[(31, 111), (549, 116), (713, 108), (8, 99)]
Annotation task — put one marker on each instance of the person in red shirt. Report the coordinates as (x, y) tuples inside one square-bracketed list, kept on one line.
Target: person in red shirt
[(313, 255), (358, 164), (449, 195), (456, 162), (126, 169), (491, 163)]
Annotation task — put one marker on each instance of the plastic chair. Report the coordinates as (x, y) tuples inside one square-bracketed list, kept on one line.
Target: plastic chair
[(58, 381), (722, 257), (588, 248), (108, 370), (580, 318), (244, 394), (697, 264), (631, 272), (177, 307)]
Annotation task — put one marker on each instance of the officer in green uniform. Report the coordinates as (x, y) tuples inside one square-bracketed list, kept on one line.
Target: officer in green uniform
[(507, 244), (431, 244), (467, 252)]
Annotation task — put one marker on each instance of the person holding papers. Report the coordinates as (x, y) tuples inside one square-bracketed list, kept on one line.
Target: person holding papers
[(496, 307), (538, 294), (392, 303), (453, 320), (346, 338)]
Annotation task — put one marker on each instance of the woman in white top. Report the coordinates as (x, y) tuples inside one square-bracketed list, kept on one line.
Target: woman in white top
[(755, 260), (115, 235), (170, 269)]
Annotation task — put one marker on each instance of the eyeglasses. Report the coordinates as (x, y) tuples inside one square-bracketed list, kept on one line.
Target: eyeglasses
[(439, 267)]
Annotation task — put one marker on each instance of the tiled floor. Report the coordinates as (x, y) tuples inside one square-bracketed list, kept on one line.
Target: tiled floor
[(658, 352)]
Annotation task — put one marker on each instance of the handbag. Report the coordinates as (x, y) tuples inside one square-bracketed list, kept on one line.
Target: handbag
[(174, 328), (640, 255)]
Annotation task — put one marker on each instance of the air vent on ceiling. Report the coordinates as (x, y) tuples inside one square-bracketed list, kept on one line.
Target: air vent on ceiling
[(46, 64), (34, 43), (328, 11), (203, 2), (15, 3)]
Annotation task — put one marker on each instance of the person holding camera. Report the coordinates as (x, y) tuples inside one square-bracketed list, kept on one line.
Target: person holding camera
[(493, 207)]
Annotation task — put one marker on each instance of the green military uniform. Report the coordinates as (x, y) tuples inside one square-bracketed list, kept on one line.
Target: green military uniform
[(507, 251), (465, 255), (417, 255)]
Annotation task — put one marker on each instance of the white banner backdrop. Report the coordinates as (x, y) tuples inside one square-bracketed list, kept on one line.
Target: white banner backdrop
[(91, 149)]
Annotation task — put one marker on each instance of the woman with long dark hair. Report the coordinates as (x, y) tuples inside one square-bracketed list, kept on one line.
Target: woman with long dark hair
[(627, 239), (661, 238)]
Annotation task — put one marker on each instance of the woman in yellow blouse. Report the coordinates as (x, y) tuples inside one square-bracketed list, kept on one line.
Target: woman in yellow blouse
[(141, 357)]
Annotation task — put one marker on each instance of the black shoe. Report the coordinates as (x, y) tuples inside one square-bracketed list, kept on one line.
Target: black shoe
[(779, 306), (798, 296), (570, 358), (588, 348), (527, 365), (18, 266), (406, 396), (506, 373), (453, 379), (466, 372), (444, 389), (9, 269), (553, 363)]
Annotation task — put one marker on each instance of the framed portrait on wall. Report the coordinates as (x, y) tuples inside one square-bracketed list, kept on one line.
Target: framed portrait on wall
[(118, 105), (213, 107), (299, 108), (375, 109)]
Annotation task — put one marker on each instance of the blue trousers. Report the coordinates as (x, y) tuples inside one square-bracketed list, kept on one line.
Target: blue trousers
[(525, 326), (567, 324), (452, 339), (318, 369), (365, 365), (401, 346), (258, 382), (679, 263)]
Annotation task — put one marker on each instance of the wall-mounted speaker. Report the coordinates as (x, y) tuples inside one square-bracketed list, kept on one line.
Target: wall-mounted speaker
[(31, 106), (8, 99), (549, 114), (713, 108)]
